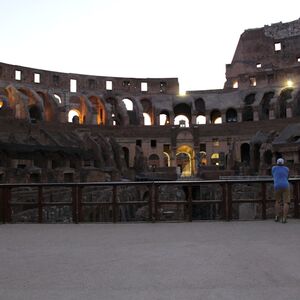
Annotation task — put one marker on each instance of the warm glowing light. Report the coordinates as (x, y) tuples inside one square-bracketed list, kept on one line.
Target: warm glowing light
[(182, 93), (289, 83), (181, 120), (235, 84), (73, 113), (147, 119), (1, 103)]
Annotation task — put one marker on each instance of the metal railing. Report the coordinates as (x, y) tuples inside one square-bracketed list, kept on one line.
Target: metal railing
[(140, 201)]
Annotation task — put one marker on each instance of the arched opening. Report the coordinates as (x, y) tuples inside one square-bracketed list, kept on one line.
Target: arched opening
[(265, 105), (284, 96), (147, 109), (181, 120), (164, 118), (185, 160), (58, 98), (147, 119), (200, 106), (35, 114), (215, 117), (247, 113), (201, 119), (297, 109), (128, 104), (202, 159), (74, 116), (183, 109), (245, 153), (131, 111), (167, 160), (99, 109), (231, 115), (126, 156), (268, 156)]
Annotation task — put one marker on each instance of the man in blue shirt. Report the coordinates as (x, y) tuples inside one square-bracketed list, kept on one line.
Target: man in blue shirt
[(280, 175)]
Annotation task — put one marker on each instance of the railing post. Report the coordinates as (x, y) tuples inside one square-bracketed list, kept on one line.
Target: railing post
[(2, 214), (229, 200), (7, 207), (296, 199), (190, 204), (150, 204), (114, 204), (79, 204), (156, 202), (264, 203), (225, 202), (75, 204), (40, 204)]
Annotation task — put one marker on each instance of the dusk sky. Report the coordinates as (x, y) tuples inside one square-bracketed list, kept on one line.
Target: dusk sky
[(192, 39)]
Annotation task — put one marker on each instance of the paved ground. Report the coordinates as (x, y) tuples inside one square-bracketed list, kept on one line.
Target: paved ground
[(199, 260)]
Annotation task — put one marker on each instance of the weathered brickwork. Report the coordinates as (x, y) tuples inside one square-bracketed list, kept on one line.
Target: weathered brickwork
[(70, 127)]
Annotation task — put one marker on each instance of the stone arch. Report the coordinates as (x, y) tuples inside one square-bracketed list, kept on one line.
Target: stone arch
[(132, 110), (164, 117), (183, 109), (182, 121), (119, 115), (200, 106), (50, 107), (201, 119), (166, 159), (35, 113), (268, 157), (83, 105), (74, 116), (99, 109), (185, 160), (265, 105), (247, 112), (17, 103), (282, 101), (245, 153), (297, 104), (147, 109), (215, 117), (35, 105), (231, 115), (126, 155)]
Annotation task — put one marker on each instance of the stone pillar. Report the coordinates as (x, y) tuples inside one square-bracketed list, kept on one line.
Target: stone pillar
[(271, 115), (289, 113), (239, 116), (255, 116)]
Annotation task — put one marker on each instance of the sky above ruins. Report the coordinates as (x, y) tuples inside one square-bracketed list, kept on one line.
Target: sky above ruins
[(192, 39)]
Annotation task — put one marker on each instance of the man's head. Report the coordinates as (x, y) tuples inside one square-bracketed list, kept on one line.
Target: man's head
[(280, 161)]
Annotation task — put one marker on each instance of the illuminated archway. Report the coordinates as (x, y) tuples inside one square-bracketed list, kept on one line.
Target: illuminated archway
[(181, 120), (185, 160), (167, 160), (147, 119), (201, 119), (99, 108), (74, 116)]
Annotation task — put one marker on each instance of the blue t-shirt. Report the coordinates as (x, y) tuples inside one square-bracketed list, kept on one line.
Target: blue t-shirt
[(280, 175)]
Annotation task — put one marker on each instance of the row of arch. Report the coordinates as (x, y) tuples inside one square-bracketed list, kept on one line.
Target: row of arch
[(189, 162), (38, 105)]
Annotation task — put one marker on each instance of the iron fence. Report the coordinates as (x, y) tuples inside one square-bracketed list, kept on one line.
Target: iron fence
[(141, 201)]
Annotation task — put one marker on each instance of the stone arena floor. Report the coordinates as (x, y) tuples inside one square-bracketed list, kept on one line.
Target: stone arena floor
[(174, 261)]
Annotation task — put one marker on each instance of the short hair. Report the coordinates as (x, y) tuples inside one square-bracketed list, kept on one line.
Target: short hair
[(280, 161)]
